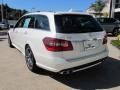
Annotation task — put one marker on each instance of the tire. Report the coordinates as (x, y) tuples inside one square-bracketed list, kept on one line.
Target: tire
[(10, 42), (116, 31), (0, 28), (30, 60)]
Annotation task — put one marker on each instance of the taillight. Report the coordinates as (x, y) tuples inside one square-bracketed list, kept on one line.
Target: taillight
[(105, 39), (54, 44)]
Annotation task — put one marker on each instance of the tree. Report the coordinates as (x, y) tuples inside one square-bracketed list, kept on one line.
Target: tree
[(105, 14), (98, 6), (11, 13)]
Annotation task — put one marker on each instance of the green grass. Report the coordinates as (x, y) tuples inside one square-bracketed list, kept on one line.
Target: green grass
[(116, 43)]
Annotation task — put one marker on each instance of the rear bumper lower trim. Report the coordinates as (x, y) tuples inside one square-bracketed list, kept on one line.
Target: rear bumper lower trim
[(85, 66)]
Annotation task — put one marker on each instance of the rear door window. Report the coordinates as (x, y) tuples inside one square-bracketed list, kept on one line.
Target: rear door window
[(68, 23), (26, 23), (29, 22)]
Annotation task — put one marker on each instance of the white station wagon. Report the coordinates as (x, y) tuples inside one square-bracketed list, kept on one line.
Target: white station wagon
[(59, 42)]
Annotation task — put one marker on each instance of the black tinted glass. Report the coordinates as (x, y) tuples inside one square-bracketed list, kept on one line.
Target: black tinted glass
[(76, 24), (42, 22), (20, 23), (26, 22), (106, 20), (32, 22), (110, 20)]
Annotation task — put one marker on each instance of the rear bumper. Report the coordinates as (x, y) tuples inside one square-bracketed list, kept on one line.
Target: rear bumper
[(56, 64), (85, 66)]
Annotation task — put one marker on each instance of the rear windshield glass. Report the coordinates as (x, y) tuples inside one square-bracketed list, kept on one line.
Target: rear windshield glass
[(76, 24)]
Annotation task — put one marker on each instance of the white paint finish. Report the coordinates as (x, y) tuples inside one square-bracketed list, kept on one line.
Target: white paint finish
[(57, 61)]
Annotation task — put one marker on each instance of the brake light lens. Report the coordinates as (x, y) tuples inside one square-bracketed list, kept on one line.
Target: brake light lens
[(56, 45), (105, 39)]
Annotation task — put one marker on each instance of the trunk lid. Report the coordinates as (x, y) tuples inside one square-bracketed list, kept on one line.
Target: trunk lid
[(83, 31), (84, 44)]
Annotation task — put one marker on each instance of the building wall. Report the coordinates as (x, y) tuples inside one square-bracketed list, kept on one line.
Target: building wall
[(116, 9), (117, 4), (107, 8), (112, 8)]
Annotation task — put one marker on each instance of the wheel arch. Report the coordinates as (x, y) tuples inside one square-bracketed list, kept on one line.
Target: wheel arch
[(116, 28), (31, 47), (28, 44)]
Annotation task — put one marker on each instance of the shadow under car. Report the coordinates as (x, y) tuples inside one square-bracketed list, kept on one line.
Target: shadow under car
[(104, 76)]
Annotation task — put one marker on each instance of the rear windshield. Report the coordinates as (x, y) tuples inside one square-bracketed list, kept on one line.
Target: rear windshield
[(76, 24)]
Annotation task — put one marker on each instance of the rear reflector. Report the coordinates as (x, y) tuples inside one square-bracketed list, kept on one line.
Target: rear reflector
[(54, 44), (105, 39)]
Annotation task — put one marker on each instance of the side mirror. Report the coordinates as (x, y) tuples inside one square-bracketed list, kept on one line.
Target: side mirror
[(11, 26)]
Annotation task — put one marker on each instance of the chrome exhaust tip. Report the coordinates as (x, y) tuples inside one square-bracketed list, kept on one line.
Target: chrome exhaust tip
[(66, 72)]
